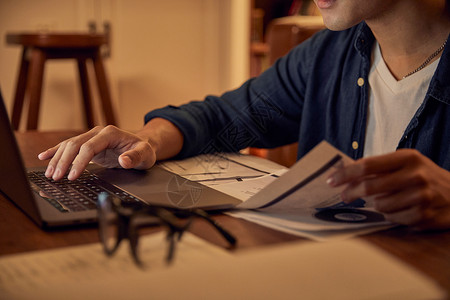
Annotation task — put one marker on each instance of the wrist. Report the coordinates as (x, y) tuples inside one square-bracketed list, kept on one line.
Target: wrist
[(163, 136)]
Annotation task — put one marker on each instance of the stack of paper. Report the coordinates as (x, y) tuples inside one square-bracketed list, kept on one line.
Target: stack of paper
[(296, 200)]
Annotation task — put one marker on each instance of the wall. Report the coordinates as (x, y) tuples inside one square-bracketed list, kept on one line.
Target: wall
[(163, 52)]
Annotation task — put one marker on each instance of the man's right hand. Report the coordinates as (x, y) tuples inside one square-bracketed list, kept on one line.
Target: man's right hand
[(107, 146), (112, 147)]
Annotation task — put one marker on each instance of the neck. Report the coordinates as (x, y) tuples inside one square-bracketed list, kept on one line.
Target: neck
[(409, 33)]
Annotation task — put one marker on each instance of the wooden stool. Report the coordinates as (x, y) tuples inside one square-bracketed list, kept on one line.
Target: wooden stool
[(37, 48)]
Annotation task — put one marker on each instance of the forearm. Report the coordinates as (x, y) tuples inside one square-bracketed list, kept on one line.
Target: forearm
[(163, 136)]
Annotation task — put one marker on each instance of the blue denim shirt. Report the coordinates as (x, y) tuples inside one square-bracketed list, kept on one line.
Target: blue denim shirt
[(318, 91)]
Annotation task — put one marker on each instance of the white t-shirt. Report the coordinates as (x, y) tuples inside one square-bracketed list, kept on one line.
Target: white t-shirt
[(392, 104)]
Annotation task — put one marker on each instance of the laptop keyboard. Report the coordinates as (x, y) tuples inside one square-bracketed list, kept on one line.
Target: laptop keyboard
[(77, 195)]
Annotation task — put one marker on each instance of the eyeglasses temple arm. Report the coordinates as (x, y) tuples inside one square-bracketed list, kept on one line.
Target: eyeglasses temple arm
[(228, 236)]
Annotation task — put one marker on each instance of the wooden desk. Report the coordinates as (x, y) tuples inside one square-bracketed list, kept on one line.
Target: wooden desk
[(428, 252)]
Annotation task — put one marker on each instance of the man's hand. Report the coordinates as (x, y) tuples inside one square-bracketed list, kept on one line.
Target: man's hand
[(407, 186), (108, 146), (112, 147)]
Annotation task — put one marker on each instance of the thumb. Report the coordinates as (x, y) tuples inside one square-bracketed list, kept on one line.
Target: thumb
[(141, 157)]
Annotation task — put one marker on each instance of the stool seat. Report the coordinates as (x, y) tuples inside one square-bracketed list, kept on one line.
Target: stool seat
[(57, 40), (39, 47)]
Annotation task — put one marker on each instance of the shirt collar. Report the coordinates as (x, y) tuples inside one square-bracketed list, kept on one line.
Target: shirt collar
[(364, 40), (440, 83)]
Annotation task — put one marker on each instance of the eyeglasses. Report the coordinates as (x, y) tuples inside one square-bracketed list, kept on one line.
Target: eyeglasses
[(118, 222)]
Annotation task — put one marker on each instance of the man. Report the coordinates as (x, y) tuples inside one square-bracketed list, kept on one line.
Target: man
[(376, 85)]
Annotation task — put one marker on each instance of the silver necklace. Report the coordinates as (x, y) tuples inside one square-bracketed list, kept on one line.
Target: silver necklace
[(427, 61)]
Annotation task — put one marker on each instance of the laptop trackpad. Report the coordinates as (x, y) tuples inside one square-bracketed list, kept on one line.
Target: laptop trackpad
[(160, 187)]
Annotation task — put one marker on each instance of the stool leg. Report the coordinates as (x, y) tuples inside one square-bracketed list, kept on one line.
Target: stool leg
[(20, 91), (85, 90), (34, 86), (103, 89)]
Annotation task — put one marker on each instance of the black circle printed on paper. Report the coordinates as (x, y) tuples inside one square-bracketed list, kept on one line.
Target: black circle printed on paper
[(349, 215)]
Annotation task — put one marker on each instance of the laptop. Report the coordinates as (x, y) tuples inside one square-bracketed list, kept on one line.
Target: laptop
[(40, 200)]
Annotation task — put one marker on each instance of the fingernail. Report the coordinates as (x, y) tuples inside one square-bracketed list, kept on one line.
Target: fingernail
[(49, 171), (126, 160), (331, 181), (57, 173), (72, 174), (40, 155)]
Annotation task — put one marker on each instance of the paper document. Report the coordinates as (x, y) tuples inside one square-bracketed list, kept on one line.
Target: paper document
[(304, 185), (350, 269), (241, 176), (296, 200)]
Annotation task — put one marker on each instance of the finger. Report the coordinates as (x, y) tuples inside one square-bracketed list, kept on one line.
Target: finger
[(355, 171), (66, 158), (49, 172), (80, 162), (401, 200), (373, 165), (86, 153), (66, 153), (376, 184), (411, 216), (47, 154), (140, 157)]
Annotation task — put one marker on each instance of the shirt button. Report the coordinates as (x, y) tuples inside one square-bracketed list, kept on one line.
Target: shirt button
[(360, 81), (355, 145)]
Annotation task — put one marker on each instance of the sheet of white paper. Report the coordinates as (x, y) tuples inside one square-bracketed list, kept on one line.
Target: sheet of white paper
[(240, 176), (215, 168), (300, 270), (247, 188)]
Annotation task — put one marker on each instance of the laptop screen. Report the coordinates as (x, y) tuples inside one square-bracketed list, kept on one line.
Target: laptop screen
[(13, 180)]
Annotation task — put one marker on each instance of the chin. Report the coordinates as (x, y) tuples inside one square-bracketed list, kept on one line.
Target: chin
[(337, 24)]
